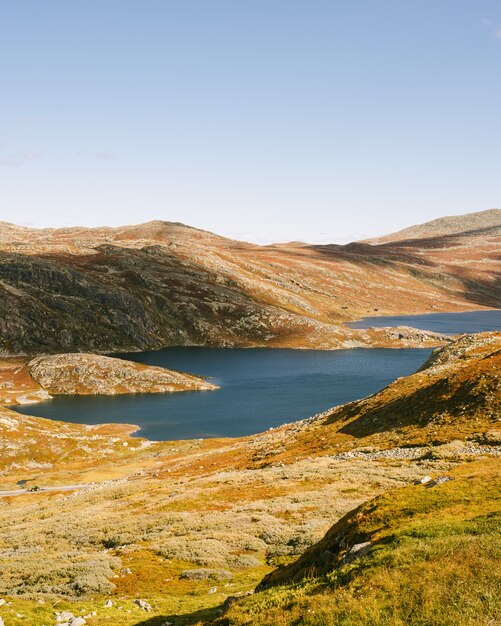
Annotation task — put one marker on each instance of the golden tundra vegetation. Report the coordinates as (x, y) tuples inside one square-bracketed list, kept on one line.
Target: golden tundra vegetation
[(384, 511)]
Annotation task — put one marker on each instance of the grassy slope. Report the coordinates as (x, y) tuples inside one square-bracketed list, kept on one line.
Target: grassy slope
[(434, 561)]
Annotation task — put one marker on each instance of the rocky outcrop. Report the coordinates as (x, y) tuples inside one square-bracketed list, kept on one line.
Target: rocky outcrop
[(86, 374)]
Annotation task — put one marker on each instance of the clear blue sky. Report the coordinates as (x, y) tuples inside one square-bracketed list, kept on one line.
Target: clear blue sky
[(259, 119)]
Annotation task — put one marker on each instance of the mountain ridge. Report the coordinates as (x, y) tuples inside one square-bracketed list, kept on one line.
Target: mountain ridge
[(442, 226), (163, 284)]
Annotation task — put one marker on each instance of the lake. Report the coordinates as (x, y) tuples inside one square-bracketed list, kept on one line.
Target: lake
[(260, 388), (452, 323)]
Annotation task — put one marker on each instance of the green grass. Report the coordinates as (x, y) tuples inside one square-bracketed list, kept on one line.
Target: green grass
[(434, 562)]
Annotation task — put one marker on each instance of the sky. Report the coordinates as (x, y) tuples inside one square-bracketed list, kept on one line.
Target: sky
[(264, 120)]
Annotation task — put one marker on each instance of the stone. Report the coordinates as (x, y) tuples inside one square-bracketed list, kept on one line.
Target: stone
[(492, 437), (108, 604), (358, 550), (142, 604), (212, 590)]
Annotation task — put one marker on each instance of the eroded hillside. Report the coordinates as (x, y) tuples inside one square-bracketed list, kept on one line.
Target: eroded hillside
[(159, 284)]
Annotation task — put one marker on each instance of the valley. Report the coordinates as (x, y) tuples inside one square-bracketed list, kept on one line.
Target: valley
[(100, 525), (184, 525)]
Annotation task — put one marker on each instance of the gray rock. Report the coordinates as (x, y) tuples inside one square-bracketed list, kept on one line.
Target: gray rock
[(142, 604), (358, 550)]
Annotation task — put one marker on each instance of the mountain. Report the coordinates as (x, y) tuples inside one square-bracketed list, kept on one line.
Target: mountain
[(161, 284), (482, 222)]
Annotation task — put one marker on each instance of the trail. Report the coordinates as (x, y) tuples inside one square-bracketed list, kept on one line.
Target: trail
[(24, 492)]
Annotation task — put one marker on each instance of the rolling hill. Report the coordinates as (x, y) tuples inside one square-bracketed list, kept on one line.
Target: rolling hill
[(161, 284)]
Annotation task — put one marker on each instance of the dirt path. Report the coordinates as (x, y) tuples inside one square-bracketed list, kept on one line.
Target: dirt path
[(24, 492)]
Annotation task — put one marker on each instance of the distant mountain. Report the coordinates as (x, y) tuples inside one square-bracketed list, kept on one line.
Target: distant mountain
[(160, 284), (488, 222)]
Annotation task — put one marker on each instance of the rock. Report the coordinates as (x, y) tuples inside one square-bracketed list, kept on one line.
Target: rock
[(85, 374), (425, 480), (64, 616), (126, 570), (142, 604), (212, 590), (492, 437), (2, 623), (77, 621), (358, 550), (108, 604), (2, 601)]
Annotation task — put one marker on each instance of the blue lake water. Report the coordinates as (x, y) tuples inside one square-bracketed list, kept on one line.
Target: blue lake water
[(260, 388), (453, 323)]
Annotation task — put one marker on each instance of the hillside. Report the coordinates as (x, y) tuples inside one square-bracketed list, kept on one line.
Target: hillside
[(426, 554), (456, 395), (184, 525), (486, 222), (161, 284)]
